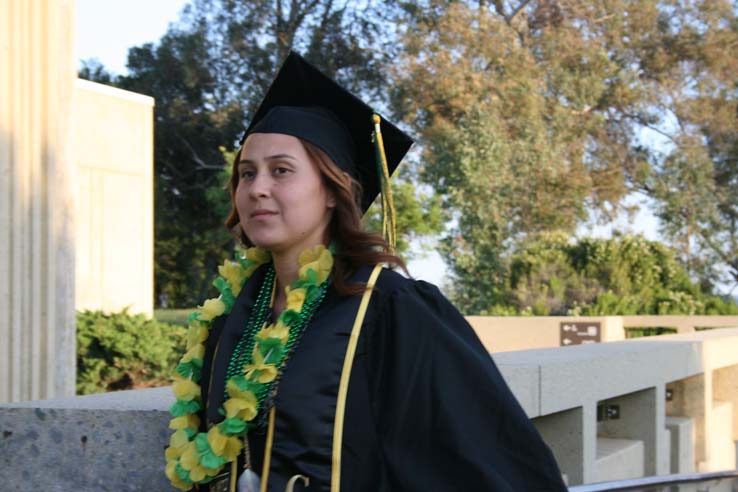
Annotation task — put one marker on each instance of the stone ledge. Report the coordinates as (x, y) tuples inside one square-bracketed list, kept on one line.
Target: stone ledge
[(144, 399), (96, 443)]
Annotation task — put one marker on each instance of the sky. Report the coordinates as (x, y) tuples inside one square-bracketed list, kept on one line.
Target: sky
[(107, 28)]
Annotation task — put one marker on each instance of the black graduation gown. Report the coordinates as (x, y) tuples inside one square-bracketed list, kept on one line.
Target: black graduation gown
[(427, 409)]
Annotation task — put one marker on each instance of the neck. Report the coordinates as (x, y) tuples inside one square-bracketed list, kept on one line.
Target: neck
[(286, 267)]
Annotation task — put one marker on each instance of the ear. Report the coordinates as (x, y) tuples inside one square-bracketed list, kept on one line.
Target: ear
[(330, 201)]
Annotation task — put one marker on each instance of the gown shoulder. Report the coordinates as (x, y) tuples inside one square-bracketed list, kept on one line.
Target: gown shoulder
[(445, 417)]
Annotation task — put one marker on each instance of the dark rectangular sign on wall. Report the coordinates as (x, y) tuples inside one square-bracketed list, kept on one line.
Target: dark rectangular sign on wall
[(579, 332)]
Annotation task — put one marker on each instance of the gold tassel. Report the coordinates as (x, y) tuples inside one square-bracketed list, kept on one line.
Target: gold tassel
[(388, 207)]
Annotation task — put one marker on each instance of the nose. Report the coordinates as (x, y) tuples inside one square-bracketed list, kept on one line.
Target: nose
[(260, 185)]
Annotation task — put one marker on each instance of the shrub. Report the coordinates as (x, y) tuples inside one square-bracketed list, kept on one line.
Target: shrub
[(623, 275), (121, 351)]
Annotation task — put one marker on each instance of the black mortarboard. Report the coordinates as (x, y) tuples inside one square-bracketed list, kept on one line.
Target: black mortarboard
[(305, 103)]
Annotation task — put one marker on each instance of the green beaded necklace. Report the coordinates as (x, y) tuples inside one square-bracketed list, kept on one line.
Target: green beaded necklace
[(242, 354)]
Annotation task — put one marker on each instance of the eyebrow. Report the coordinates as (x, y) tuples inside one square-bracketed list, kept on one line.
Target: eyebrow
[(268, 158)]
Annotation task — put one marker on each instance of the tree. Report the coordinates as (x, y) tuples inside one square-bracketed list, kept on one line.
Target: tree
[(207, 74), (695, 110), (95, 71), (533, 114)]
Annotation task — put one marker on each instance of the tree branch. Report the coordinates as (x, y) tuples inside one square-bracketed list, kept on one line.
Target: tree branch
[(509, 18), (201, 164)]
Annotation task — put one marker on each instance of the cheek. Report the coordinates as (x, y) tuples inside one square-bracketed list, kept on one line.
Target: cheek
[(240, 198), (308, 204)]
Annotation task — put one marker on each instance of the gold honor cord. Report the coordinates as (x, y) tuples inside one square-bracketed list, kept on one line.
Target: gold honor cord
[(348, 362), (388, 206), (267, 452)]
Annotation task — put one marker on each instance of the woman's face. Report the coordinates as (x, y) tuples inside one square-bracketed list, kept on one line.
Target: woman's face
[(282, 203)]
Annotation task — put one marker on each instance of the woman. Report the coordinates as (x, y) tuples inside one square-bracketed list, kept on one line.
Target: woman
[(317, 370)]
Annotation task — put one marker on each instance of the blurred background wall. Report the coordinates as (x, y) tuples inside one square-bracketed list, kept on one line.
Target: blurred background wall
[(76, 199)]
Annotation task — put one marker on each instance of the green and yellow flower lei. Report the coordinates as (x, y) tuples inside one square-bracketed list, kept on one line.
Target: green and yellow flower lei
[(196, 457)]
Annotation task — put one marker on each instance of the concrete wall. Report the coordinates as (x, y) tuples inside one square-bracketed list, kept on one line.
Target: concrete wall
[(506, 333), (112, 140), (37, 326), (115, 441)]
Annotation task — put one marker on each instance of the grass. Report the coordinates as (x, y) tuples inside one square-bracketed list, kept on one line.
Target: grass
[(174, 316)]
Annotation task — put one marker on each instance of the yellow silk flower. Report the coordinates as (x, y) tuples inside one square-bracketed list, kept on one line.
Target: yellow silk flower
[(235, 392), (196, 334), (234, 274), (259, 371), (195, 352), (178, 439), (257, 255), (241, 408), (190, 461), (186, 390), (295, 298), (280, 331), (188, 421), (212, 308), (174, 478), (232, 448), (319, 259), (171, 454), (217, 440)]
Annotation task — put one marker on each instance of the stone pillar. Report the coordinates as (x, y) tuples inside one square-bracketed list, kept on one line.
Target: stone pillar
[(37, 319)]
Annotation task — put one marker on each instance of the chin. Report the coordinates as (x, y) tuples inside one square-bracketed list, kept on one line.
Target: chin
[(264, 242)]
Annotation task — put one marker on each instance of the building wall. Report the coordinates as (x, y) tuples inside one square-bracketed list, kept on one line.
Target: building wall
[(37, 325), (112, 141)]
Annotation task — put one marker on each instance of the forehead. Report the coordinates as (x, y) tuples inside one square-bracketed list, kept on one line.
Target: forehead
[(264, 145)]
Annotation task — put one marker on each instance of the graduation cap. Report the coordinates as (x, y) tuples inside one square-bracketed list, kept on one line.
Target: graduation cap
[(305, 103)]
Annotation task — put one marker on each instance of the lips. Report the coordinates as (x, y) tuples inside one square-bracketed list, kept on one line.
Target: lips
[(262, 213)]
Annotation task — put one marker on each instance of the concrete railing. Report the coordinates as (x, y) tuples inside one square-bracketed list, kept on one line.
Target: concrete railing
[(666, 405), (506, 333)]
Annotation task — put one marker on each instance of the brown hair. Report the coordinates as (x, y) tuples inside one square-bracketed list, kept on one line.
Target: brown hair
[(354, 246)]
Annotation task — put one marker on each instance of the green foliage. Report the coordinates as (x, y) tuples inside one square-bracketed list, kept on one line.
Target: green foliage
[(418, 215), (121, 351), (624, 275), (534, 114)]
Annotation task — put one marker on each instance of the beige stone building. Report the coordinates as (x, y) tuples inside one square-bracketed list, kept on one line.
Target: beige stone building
[(76, 199), (112, 149)]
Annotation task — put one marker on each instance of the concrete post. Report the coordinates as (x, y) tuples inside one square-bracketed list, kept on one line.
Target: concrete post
[(572, 437), (692, 397), (725, 388), (641, 418), (37, 321)]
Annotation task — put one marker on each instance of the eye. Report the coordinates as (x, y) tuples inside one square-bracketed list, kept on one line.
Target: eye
[(281, 170), (246, 173)]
